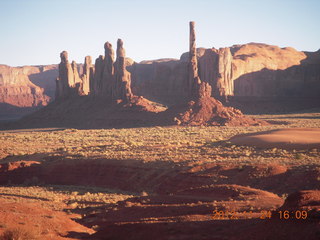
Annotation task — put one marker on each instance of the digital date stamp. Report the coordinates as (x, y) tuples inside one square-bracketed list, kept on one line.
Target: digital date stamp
[(263, 215)]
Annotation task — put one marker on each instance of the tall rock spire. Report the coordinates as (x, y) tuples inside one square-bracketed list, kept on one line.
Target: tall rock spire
[(96, 84), (65, 81), (108, 70), (194, 79), (122, 86), (76, 75), (88, 72), (197, 88)]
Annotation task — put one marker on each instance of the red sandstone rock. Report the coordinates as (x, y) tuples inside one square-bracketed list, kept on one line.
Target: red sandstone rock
[(202, 109), (108, 70), (249, 70), (122, 85), (96, 84), (66, 78), (194, 80), (17, 89), (88, 73)]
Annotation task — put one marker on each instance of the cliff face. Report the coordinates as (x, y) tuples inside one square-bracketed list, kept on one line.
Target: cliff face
[(19, 86), (250, 70), (160, 80), (257, 70)]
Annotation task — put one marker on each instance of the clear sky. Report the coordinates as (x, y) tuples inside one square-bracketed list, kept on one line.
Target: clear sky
[(34, 32)]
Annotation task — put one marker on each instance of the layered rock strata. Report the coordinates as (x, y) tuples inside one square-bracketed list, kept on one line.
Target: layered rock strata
[(202, 109), (251, 70), (17, 88), (122, 84), (106, 78)]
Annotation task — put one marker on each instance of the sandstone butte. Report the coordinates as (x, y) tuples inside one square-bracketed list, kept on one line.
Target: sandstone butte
[(103, 92), (251, 71)]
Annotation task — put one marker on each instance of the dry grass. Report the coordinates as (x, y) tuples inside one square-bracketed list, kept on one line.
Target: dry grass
[(184, 146), (62, 197), (176, 144), (19, 234)]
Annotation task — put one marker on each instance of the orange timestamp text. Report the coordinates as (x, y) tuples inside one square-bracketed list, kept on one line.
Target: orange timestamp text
[(264, 214)]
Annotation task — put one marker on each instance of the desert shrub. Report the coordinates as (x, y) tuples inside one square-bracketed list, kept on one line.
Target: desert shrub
[(18, 234)]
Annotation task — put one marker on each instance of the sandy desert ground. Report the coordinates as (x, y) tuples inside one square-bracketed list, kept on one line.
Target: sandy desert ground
[(163, 182)]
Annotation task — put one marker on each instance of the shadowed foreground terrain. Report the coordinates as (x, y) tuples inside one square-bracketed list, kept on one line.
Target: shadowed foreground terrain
[(160, 183)]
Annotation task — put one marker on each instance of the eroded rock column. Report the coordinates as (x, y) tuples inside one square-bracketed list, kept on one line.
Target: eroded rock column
[(88, 74), (96, 84), (108, 70), (194, 80), (65, 81), (122, 86)]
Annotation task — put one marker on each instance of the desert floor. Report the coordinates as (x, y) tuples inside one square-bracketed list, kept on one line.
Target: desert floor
[(160, 183)]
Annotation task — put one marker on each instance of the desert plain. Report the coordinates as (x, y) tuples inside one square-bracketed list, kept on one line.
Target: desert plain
[(178, 182)]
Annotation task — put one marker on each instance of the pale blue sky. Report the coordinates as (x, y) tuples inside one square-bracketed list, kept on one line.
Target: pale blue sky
[(34, 32)]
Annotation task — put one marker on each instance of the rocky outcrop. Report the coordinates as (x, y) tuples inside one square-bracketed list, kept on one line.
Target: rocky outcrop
[(96, 84), (249, 70), (194, 80), (111, 79), (202, 109), (17, 88), (107, 79), (69, 83), (66, 79), (88, 75), (77, 80), (122, 83), (108, 69)]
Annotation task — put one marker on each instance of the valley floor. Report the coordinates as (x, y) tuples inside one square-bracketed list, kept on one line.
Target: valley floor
[(157, 182)]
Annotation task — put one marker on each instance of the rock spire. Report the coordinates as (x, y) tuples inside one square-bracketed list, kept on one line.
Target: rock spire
[(66, 80), (122, 86), (194, 80), (197, 88), (88, 74), (108, 70)]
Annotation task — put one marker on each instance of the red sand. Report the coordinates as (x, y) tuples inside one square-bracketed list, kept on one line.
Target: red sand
[(291, 138)]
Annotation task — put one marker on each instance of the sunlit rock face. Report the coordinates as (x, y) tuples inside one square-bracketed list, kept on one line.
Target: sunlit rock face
[(249, 70)]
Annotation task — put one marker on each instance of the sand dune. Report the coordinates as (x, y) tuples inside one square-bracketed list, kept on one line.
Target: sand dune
[(291, 138)]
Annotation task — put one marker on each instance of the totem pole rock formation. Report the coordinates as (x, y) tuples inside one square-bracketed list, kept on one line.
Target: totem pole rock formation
[(202, 109), (66, 80), (107, 79), (194, 80), (122, 85), (88, 74), (69, 83), (95, 85), (75, 71), (108, 70), (197, 88)]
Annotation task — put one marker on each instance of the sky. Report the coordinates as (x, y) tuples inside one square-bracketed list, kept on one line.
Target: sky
[(34, 32)]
